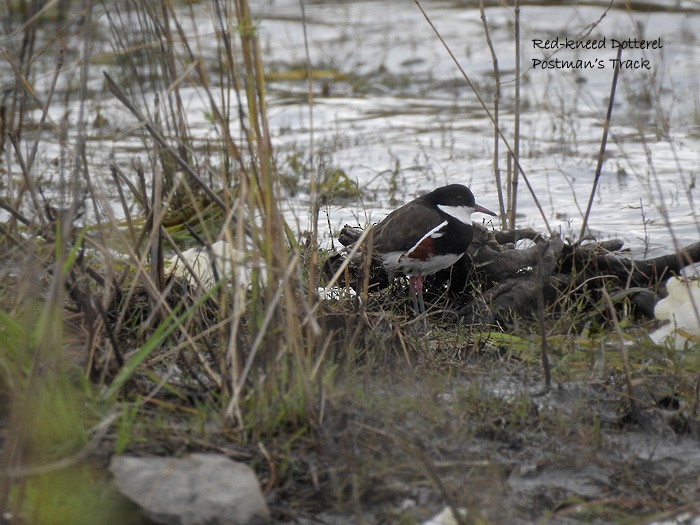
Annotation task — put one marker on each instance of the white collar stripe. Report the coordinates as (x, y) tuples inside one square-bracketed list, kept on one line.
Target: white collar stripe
[(429, 234)]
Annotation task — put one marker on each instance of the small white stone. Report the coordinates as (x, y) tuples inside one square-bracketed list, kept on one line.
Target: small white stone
[(446, 517), (217, 261)]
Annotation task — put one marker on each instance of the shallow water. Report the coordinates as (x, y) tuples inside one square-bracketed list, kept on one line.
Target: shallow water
[(418, 112), (398, 101)]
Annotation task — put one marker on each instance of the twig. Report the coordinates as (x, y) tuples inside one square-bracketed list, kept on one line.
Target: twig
[(623, 350), (269, 312), (496, 100), (29, 181), (117, 92), (489, 114), (516, 123), (14, 212), (316, 174), (543, 327), (115, 172), (603, 144)]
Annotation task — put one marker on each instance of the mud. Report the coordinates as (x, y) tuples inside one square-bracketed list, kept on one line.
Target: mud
[(490, 441)]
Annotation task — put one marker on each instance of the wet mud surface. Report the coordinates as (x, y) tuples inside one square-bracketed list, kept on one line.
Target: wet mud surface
[(493, 443)]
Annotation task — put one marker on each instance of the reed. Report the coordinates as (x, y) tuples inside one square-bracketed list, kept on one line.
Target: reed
[(252, 349), (258, 326)]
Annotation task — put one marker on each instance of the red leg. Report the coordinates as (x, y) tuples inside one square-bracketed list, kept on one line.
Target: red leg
[(416, 285), (419, 284)]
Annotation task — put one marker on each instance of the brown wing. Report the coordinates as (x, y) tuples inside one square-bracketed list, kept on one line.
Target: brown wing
[(404, 227), (423, 251)]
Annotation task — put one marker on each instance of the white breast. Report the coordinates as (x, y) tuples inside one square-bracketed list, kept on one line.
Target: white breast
[(400, 262)]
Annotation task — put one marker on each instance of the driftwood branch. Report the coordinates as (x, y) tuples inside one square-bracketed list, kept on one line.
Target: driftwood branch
[(495, 281), (649, 273)]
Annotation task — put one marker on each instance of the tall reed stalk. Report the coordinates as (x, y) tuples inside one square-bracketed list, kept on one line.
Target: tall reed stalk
[(260, 328), (250, 348), (506, 141)]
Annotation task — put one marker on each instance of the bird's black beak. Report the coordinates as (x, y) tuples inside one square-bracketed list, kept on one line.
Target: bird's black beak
[(481, 209)]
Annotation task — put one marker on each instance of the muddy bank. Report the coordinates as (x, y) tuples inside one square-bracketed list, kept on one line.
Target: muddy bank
[(404, 444)]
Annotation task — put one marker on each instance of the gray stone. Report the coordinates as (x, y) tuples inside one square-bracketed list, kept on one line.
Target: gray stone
[(200, 489)]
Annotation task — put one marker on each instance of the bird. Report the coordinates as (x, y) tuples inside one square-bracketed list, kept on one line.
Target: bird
[(426, 235)]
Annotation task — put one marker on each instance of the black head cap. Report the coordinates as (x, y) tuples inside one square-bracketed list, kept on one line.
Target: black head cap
[(452, 195), (456, 195)]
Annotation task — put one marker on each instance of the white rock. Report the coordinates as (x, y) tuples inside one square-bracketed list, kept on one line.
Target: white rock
[(680, 309), (198, 489), (217, 261), (446, 517)]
